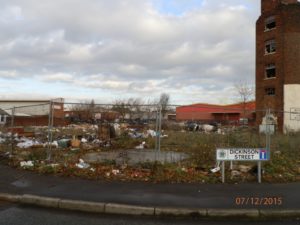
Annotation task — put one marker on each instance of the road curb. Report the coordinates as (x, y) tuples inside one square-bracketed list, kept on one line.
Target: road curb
[(112, 208), (244, 213), (279, 213), (160, 211), (83, 206), (40, 201), (10, 197)]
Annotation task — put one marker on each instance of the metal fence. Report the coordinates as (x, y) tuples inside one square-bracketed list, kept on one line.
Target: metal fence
[(48, 125)]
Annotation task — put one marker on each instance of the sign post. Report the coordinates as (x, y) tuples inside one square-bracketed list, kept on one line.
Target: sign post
[(242, 154), (223, 171), (259, 172)]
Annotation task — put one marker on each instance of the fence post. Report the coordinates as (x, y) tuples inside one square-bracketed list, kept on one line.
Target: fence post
[(268, 134), (50, 126), (156, 129), (268, 144), (159, 128), (12, 122)]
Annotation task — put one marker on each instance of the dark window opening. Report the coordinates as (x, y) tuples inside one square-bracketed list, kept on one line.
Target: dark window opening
[(270, 71), (270, 47), (270, 91), (270, 23)]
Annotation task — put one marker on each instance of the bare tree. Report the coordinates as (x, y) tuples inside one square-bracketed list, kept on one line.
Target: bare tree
[(245, 92), (91, 109), (149, 108), (135, 108), (120, 106), (164, 102), (84, 110), (131, 107)]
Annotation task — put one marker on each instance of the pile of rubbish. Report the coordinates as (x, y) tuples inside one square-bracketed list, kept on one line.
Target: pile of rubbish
[(134, 133), (75, 137), (6, 137), (82, 164)]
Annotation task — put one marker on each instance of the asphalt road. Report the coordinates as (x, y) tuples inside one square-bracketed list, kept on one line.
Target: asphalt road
[(149, 194), (11, 214)]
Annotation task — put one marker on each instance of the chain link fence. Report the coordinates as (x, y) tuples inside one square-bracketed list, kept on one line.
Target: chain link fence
[(197, 130)]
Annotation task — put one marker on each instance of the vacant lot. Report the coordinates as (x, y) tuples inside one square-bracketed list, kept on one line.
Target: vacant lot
[(69, 155)]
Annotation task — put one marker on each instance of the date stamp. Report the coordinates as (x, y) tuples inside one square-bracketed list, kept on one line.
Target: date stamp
[(259, 201)]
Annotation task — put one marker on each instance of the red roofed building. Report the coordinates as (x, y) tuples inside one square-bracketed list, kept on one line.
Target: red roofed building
[(225, 114)]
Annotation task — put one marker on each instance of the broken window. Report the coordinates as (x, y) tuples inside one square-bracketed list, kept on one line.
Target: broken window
[(270, 71), (270, 23), (270, 91), (270, 46)]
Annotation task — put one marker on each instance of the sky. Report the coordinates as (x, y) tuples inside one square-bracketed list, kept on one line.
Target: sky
[(193, 50)]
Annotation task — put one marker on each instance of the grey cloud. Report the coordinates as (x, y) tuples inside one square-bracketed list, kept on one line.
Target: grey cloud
[(137, 48)]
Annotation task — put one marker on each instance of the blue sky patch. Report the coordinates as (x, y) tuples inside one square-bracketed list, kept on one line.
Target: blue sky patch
[(176, 7)]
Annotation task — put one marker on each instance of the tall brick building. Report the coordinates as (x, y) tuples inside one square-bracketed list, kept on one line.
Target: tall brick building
[(278, 62)]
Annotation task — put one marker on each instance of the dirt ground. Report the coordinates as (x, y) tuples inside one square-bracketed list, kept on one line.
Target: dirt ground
[(68, 156)]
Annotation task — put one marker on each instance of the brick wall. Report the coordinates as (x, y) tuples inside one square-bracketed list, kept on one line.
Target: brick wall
[(37, 121), (291, 29), (270, 5), (287, 56)]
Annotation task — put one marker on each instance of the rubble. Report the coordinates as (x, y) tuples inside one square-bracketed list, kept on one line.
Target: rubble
[(215, 170), (86, 146), (82, 164), (54, 165), (63, 143), (244, 169), (235, 173), (75, 143), (151, 133), (141, 146), (117, 129), (80, 146), (27, 143), (115, 172), (183, 169), (2, 140), (135, 134), (25, 164), (83, 140)]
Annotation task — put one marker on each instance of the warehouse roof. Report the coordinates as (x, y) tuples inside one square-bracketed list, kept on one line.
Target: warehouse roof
[(210, 108)]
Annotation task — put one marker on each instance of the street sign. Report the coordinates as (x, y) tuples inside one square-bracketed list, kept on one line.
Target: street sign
[(242, 154)]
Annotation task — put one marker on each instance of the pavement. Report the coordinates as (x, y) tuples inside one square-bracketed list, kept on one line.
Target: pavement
[(205, 200), (15, 214)]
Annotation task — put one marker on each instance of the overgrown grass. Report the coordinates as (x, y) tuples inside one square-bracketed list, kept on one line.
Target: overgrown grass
[(284, 165), (285, 150)]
